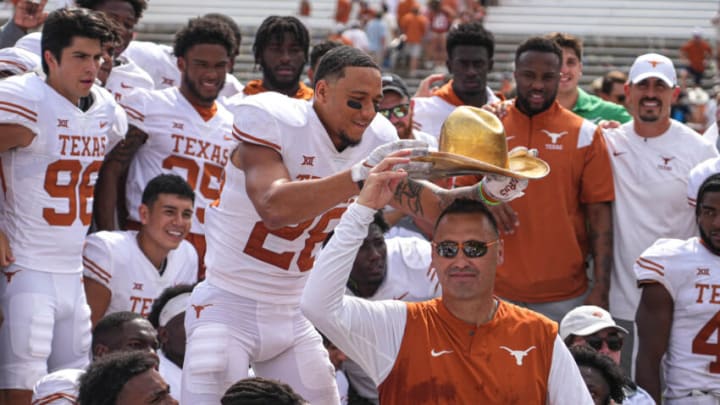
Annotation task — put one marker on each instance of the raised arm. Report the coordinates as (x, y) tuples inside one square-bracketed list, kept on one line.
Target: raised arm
[(112, 174), (370, 332), (281, 201)]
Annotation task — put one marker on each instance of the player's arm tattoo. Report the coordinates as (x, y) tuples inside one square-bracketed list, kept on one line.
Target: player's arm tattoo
[(408, 196)]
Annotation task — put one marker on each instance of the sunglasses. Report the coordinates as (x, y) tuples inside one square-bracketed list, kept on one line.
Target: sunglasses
[(471, 248), (399, 111), (614, 341)]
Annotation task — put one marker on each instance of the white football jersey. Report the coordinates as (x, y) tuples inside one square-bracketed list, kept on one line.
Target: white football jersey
[(409, 274), (49, 184), (160, 63), (698, 175), (243, 256), (651, 178), (114, 259), (179, 141), (691, 274), (126, 77)]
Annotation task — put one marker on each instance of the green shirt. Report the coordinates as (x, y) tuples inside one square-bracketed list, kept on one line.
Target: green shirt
[(594, 109)]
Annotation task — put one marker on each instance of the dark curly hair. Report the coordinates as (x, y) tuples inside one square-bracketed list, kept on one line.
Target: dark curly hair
[(471, 34), (105, 378), (586, 356), (261, 391), (204, 30)]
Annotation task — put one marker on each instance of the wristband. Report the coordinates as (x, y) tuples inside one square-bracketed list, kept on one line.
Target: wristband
[(484, 199)]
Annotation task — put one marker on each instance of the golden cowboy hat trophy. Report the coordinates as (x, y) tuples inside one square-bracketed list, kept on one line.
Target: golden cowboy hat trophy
[(472, 141)]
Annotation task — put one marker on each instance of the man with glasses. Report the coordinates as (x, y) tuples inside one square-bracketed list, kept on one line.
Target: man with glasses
[(465, 347), (397, 106), (593, 326)]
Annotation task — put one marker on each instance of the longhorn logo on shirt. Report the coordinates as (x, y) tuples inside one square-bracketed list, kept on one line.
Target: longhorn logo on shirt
[(177, 125), (308, 161), (199, 308), (9, 274), (703, 271), (518, 354), (62, 123), (168, 81), (554, 138), (666, 162)]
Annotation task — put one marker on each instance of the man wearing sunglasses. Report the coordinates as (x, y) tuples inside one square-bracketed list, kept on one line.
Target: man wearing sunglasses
[(397, 107), (465, 347), (593, 326)]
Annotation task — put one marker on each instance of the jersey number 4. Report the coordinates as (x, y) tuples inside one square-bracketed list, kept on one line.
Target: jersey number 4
[(283, 260), (701, 344), (76, 185)]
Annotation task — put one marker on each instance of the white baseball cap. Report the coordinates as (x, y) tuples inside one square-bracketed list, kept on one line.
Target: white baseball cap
[(653, 65), (586, 320), (60, 387)]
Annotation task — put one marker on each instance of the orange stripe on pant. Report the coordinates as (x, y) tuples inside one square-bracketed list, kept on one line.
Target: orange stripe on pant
[(196, 239)]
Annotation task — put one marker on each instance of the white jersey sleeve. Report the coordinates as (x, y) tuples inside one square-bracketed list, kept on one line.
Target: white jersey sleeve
[(127, 77), (691, 275), (157, 60), (370, 332), (565, 383), (698, 175), (115, 260), (97, 259), (19, 105), (134, 105)]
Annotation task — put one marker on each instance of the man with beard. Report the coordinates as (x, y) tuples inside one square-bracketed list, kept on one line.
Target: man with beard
[(281, 50), (651, 158), (545, 233), (470, 51), (677, 317), (191, 133)]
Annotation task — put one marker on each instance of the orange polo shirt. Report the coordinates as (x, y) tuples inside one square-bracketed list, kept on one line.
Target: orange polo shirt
[(414, 27), (545, 257), (444, 360)]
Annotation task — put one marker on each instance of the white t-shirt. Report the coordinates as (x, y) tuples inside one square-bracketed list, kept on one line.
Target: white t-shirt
[(651, 178), (49, 184), (115, 260), (690, 273), (243, 256), (371, 332), (179, 141)]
